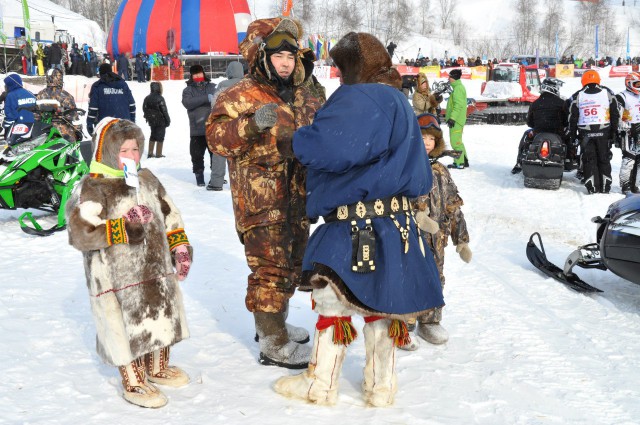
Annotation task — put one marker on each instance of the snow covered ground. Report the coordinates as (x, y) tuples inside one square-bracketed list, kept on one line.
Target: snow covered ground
[(523, 350)]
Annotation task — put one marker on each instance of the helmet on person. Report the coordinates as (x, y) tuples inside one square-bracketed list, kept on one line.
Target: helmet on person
[(590, 77), (426, 121), (632, 82), (551, 85)]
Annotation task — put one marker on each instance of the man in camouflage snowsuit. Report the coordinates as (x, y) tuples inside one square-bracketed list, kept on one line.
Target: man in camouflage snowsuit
[(252, 125), (55, 91)]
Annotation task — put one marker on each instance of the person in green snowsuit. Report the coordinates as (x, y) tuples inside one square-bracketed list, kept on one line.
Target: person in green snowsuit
[(456, 117)]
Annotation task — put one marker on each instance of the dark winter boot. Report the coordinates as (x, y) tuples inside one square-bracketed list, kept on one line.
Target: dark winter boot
[(516, 169), (466, 162), (200, 178), (296, 333), (276, 349), (633, 183), (606, 184), (150, 151), (159, 150)]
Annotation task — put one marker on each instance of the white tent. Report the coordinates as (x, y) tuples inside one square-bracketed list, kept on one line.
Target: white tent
[(46, 18)]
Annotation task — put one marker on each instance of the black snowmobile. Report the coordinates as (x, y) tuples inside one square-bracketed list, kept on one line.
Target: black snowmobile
[(542, 161), (617, 248)]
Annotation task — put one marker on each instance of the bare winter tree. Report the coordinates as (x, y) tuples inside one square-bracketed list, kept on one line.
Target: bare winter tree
[(101, 11), (447, 11), (552, 25), (458, 30), (525, 26), (600, 14), (423, 16)]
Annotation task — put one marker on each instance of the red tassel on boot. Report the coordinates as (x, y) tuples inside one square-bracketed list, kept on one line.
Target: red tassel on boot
[(343, 330)]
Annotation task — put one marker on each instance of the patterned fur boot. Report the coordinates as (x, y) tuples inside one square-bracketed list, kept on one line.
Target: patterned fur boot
[(137, 389), (414, 343), (159, 371), (319, 383), (380, 382)]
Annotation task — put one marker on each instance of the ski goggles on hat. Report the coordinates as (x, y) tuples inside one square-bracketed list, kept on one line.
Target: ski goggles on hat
[(428, 121), (279, 41)]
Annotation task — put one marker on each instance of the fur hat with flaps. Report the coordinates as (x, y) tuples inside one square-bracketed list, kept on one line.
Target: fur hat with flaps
[(109, 135), (362, 58), (429, 125), (267, 36), (422, 77), (54, 78)]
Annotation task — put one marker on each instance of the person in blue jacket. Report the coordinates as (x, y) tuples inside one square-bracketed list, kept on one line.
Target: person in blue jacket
[(365, 160), (17, 96), (110, 96)]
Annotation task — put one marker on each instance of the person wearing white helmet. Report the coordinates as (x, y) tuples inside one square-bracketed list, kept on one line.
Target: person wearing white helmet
[(629, 102)]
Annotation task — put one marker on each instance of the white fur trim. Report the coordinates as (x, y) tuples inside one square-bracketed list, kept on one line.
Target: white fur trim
[(328, 303), (90, 211)]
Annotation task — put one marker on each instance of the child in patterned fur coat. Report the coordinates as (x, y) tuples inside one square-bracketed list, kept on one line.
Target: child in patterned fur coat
[(439, 214), (131, 241)]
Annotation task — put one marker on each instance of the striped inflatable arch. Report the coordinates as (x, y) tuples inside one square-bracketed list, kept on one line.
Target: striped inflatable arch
[(165, 26)]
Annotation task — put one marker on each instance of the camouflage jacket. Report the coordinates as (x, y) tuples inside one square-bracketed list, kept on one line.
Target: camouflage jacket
[(267, 181), (444, 204), (66, 102)]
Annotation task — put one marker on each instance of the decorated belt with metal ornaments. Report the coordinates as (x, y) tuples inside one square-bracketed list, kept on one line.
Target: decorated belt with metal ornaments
[(363, 240), (372, 209)]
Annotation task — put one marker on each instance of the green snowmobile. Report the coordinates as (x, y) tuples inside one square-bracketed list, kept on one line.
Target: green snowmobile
[(39, 168)]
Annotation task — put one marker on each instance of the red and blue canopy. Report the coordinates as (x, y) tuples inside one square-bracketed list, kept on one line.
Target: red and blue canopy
[(165, 26)]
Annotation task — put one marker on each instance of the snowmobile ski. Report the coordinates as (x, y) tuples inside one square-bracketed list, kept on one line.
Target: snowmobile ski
[(538, 258), (32, 227)]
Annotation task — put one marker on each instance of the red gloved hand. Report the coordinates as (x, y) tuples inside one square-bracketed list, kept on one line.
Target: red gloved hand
[(183, 261), (139, 214)]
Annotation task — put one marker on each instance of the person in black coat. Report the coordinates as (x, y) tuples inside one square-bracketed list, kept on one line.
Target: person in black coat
[(139, 67), (155, 112), (55, 56), (123, 66), (110, 96), (547, 114)]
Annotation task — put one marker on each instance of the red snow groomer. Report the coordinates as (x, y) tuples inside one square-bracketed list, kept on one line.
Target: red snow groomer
[(506, 95)]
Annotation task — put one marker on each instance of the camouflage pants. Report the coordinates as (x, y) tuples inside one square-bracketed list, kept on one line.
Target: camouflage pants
[(274, 255), (435, 315)]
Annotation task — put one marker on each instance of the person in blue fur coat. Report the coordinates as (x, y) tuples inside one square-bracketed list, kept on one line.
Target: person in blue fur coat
[(365, 160)]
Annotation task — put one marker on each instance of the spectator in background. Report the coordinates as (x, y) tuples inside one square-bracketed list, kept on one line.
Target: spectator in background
[(123, 66), (17, 96), (391, 47), (55, 57), (110, 97), (196, 98), (456, 118)]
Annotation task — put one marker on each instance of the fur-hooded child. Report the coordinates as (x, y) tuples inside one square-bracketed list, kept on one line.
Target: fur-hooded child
[(129, 253)]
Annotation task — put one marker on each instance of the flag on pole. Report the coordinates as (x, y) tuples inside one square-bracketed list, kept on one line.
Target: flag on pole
[(287, 5), (3, 36), (597, 47), (27, 23), (628, 46), (319, 44)]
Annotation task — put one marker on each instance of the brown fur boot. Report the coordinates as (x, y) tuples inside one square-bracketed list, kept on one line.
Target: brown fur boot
[(150, 151)]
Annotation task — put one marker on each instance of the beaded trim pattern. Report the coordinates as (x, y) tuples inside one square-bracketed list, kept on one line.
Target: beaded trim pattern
[(176, 238), (116, 232)]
